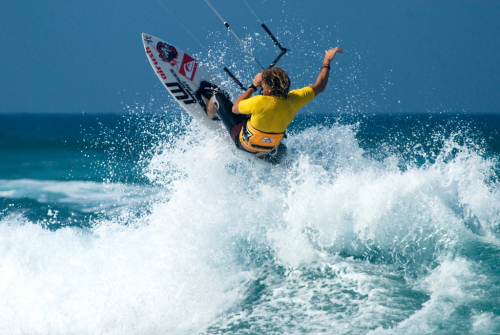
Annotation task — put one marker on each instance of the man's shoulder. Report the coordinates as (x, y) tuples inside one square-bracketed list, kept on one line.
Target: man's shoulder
[(254, 100), (302, 93), (248, 105)]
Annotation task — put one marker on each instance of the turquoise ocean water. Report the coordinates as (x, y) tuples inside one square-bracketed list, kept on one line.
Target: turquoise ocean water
[(147, 224)]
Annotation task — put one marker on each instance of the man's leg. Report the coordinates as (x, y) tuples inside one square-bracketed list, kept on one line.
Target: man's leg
[(224, 108)]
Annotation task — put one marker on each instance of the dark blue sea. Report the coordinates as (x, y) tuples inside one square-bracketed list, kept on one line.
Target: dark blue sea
[(145, 223)]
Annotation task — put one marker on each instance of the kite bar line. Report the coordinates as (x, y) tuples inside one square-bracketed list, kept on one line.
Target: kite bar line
[(283, 50), (183, 26), (232, 76), (246, 3), (266, 29), (234, 34)]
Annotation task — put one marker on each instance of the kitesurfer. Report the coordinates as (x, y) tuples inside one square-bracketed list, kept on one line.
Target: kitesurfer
[(257, 124)]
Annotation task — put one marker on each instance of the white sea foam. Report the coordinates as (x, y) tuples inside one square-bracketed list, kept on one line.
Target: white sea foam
[(150, 279), (82, 195), (453, 284), (222, 225)]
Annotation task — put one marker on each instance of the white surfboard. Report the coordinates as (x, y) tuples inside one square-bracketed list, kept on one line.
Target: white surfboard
[(181, 75)]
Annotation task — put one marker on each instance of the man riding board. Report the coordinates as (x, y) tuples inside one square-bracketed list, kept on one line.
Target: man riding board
[(257, 124)]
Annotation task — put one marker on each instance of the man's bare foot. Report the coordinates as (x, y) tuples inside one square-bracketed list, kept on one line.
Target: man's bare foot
[(211, 111)]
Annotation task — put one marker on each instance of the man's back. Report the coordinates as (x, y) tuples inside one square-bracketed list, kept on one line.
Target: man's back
[(273, 115)]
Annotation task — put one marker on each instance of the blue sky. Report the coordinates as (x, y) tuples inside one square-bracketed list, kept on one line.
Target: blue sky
[(400, 56)]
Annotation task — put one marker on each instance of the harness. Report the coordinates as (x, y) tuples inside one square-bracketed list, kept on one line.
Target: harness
[(255, 140)]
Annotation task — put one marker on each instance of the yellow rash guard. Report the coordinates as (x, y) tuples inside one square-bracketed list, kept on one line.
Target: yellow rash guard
[(273, 115)]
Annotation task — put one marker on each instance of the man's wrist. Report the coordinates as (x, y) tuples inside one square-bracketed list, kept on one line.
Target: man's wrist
[(253, 87)]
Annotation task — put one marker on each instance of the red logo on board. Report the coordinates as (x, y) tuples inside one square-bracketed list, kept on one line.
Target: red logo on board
[(168, 53), (188, 67)]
